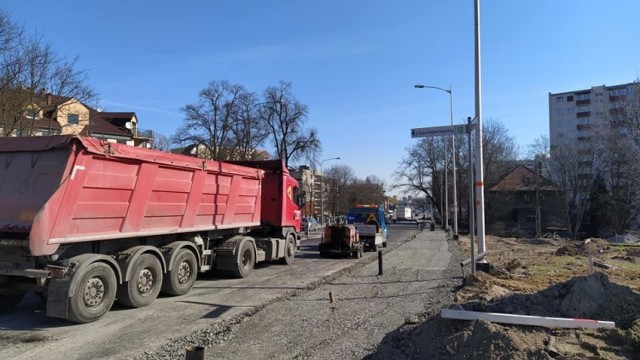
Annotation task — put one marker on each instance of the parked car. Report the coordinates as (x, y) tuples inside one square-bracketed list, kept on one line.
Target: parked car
[(310, 224)]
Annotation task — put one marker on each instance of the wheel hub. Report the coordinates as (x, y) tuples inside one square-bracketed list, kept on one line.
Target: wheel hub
[(145, 281), (184, 273), (94, 292)]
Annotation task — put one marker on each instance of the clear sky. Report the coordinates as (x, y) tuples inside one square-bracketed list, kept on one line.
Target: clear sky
[(354, 63)]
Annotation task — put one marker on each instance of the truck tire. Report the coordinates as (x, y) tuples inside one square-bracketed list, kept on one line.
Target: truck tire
[(145, 282), (246, 260), (94, 295), (180, 279), (289, 251)]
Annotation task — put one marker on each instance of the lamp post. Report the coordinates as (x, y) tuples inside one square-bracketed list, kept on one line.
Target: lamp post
[(322, 188), (453, 146)]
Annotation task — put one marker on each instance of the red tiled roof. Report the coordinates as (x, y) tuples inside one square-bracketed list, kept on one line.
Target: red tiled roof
[(523, 179)]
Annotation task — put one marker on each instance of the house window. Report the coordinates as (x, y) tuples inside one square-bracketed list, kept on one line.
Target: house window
[(73, 119), (527, 198), (559, 99), (570, 98), (32, 114)]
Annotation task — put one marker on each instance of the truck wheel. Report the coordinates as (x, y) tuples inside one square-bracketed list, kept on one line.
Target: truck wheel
[(94, 294), (289, 251), (180, 280), (246, 260), (145, 283)]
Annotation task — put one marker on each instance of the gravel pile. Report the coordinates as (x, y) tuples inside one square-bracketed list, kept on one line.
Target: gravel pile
[(366, 314)]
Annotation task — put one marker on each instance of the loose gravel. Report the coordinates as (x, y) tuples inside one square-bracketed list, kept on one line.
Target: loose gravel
[(368, 318)]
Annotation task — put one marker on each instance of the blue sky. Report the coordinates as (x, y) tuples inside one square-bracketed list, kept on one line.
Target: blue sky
[(354, 63)]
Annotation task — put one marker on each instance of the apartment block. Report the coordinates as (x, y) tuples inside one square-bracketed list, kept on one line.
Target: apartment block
[(575, 115)]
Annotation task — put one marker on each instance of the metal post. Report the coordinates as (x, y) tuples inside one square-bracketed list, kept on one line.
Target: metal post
[(379, 262), (446, 189), (455, 192), (471, 202), (479, 170)]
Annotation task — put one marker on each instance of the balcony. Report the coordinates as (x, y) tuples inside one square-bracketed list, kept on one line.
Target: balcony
[(583, 102), (142, 133), (583, 114), (614, 98), (583, 127)]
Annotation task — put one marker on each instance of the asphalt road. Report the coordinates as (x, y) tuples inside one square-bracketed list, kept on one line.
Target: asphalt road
[(123, 332)]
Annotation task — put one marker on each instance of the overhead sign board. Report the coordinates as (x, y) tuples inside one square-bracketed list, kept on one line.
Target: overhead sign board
[(438, 131)]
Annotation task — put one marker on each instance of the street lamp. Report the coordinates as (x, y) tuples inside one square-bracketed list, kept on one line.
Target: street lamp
[(322, 188), (453, 146)]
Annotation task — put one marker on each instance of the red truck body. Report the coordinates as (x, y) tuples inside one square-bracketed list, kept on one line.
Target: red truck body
[(63, 197)]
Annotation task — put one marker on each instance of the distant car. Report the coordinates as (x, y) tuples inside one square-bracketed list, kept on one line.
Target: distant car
[(310, 224)]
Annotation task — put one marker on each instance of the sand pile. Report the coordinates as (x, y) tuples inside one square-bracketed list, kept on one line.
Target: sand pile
[(593, 297)]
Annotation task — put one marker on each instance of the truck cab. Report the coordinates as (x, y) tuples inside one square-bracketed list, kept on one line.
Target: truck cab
[(371, 225)]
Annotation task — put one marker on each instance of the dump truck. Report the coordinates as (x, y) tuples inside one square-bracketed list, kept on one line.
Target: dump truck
[(86, 222), (370, 223), (340, 239)]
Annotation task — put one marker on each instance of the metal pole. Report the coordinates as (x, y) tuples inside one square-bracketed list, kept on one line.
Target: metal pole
[(446, 189), (471, 207), (455, 192), (322, 196), (479, 171)]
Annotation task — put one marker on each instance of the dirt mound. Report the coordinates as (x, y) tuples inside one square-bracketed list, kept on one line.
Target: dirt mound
[(579, 248), (592, 297), (588, 297)]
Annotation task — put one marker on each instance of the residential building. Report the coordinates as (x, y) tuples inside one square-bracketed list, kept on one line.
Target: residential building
[(574, 115), (42, 114), (512, 204)]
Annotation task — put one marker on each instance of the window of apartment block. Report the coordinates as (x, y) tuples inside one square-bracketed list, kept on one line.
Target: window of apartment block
[(571, 111), (584, 121), (559, 111), (73, 119), (570, 98), (583, 108), (618, 92), (559, 99), (582, 97)]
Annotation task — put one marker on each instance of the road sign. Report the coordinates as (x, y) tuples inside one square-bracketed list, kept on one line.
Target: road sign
[(438, 131)]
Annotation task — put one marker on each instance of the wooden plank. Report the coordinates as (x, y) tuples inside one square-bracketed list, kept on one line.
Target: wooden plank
[(526, 319)]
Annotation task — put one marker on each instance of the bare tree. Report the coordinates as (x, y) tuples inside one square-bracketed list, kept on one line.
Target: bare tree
[(160, 142), (35, 81), (499, 150), (616, 154), (248, 132), (422, 165), (285, 117), (208, 123), (338, 180)]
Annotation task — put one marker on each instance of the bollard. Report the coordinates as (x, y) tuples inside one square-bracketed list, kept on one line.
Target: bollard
[(194, 353), (379, 262), (433, 227)]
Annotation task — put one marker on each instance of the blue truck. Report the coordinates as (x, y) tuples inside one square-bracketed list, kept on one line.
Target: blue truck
[(371, 225)]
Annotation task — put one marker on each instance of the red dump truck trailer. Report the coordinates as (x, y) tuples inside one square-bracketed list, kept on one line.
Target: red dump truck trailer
[(87, 222)]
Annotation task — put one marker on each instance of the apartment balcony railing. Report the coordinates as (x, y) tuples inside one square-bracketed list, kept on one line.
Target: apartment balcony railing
[(143, 133)]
